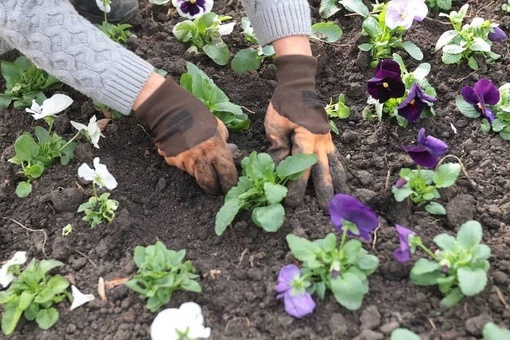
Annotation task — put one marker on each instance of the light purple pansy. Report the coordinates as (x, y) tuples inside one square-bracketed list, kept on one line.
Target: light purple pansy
[(298, 303)]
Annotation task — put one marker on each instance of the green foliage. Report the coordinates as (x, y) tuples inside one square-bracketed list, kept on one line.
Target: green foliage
[(491, 331), (35, 155), (160, 273), (506, 7), (404, 334), (327, 32), (99, 209), (117, 32), (24, 82), (501, 124), (261, 189), (440, 4), (204, 35), (459, 267), (343, 269), (422, 185), (203, 87), (329, 7), (337, 110), (32, 294), (106, 110), (466, 42)]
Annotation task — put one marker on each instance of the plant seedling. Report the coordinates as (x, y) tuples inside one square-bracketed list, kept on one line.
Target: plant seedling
[(440, 4), (117, 32), (160, 273), (261, 189), (328, 8), (337, 110)]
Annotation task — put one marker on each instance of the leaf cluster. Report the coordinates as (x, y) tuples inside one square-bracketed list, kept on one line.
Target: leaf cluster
[(204, 35), (337, 110), (161, 272), (422, 185), (24, 82), (116, 32), (35, 155), (261, 189), (461, 265), (328, 8), (506, 7), (204, 88), (33, 294), (343, 269), (467, 42), (99, 209), (440, 4)]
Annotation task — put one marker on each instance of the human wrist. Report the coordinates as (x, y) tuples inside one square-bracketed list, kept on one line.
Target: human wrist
[(151, 85)]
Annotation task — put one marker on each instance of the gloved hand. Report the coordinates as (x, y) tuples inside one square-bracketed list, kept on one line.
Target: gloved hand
[(189, 136), (296, 122)]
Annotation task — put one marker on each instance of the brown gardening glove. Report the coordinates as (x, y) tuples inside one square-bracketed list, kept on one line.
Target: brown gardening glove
[(189, 136), (296, 122)]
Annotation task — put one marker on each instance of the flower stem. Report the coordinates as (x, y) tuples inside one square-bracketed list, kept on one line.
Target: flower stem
[(94, 188), (428, 251), (344, 237), (70, 141)]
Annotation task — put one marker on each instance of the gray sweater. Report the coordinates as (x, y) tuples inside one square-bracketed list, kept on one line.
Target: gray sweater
[(57, 39)]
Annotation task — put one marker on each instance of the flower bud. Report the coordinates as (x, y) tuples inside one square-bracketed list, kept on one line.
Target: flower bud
[(497, 35)]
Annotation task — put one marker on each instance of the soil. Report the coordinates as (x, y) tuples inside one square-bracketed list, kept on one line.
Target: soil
[(239, 269)]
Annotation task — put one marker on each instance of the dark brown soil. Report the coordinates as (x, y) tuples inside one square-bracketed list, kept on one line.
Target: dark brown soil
[(158, 202)]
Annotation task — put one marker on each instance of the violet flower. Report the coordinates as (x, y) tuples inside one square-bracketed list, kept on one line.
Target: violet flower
[(413, 105), (192, 9), (497, 35), (404, 12), (387, 82), (427, 151), (344, 208), (298, 302), (400, 183), (403, 254), (484, 92)]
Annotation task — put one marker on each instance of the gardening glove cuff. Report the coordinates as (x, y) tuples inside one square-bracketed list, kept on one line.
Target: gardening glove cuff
[(295, 97)]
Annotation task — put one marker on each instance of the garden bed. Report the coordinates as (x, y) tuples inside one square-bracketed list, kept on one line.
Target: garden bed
[(239, 269)]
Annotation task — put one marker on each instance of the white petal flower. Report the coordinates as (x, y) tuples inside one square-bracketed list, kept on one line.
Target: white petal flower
[(92, 131), (226, 29), (79, 298), (19, 258), (100, 175), (101, 5), (171, 323), (51, 106)]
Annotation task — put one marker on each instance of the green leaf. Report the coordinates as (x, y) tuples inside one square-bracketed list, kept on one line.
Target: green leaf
[(356, 6), (293, 166), (349, 290), (453, 49), (481, 252), (47, 318), (365, 47), (23, 189), (446, 38), (446, 242), (329, 243), (401, 194), (31, 312), (446, 175), (435, 208), (452, 298), (498, 125), (185, 30), (480, 45), (226, 215), (469, 234), (422, 71), (302, 249), (326, 31), (191, 286), (448, 58), (413, 50), (425, 272), (465, 108), (26, 148), (471, 281), (404, 334), (263, 167), (328, 8), (218, 52), (473, 64), (246, 60), (47, 265), (269, 218), (25, 299), (275, 193), (10, 317), (368, 263), (58, 284), (371, 27), (493, 332), (42, 134)]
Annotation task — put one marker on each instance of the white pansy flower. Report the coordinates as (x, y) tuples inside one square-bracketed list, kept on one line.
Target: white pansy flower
[(79, 298), (101, 5), (100, 175), (173, 323), (51, 106), (19, 258), (92, 130), (226, 29)]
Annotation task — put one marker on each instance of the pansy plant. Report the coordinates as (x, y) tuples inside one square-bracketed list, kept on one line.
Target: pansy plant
[(458, 267), (337, 110), (421, 185), (440, 4), (328, 8), (466, 42), (117, 32), (98, 209), (485, 100), (407, 96), (342, 267), (386, 26), (204, 34)]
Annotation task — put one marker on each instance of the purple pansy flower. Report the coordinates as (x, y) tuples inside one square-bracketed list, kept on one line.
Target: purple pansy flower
[(387, 82), (298, 302), (403, 254), (427, 151), (484, 92), (347, 208), (403, 12), (497, 34), (413, 105), (192, 9), (400, 183)]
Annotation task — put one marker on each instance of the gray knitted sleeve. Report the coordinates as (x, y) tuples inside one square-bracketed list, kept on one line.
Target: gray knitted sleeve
[(60, 41), (273, 20)]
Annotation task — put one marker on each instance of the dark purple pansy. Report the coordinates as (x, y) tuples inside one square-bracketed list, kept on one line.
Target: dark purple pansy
[(413, 105), (297, 303), (387, 82), (497, 35), (347, 208), (403, 253), (192, 9), (482, 94), (427, 151)]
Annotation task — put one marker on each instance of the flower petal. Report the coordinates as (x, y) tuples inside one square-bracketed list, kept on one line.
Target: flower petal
[(298, 305), (421, 156), (346, 207), (485, 89), (79, 298), (85, 171), (57, 103), (469, 95), (436, 146), (286, 275)]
